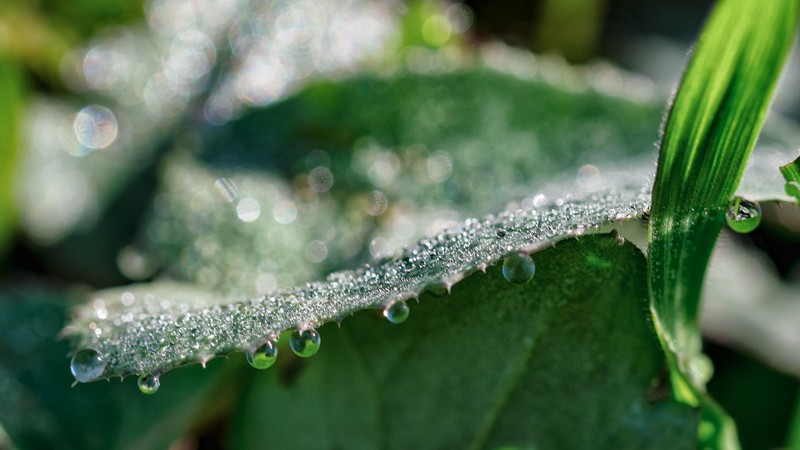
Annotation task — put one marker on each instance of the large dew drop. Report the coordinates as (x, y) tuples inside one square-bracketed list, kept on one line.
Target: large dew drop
[(397, 312), (149, 384), (305, 343), (518, 269), (87, 365), (743, 216), (264, 357)]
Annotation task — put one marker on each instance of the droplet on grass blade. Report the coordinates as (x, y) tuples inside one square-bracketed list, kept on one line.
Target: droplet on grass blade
[(743, 216)]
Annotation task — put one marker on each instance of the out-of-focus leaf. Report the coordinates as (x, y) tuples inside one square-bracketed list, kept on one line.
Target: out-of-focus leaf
[(40, 409), (10, 110), (567, 361)]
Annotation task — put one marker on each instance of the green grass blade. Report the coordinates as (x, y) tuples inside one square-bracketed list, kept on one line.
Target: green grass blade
[(709, 133), (791, 172)]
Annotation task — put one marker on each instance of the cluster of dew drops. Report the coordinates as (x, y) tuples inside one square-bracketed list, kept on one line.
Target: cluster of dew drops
[(89, 364), (742, 216)]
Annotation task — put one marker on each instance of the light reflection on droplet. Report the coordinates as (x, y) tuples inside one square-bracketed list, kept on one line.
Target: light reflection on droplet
[(284, 212), (102, 68), (95, 127), (460, 17), (316, 251), (127, 298), (218, 110), (379, 247), (436, 31), (378, 203), (320, 179), (248, 209), (440, 166), (227, 189), (589, 178), (191, 56)]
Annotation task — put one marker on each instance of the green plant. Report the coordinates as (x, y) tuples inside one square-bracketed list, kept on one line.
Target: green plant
[(554, 346)]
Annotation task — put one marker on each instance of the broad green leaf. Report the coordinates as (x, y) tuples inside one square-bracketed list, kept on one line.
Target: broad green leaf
[(791, 172), (148, 330), (709, 134), (40, 409), (221, 227), (567, 361)]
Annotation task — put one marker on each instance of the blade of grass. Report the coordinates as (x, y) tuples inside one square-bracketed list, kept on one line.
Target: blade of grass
[(791, 172), (709, 133)]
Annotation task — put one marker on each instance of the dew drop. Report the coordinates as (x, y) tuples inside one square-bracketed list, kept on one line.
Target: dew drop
[(149, 384), (518, 269), (501, 233), (397, 312), (793, 188), (305, 343), (87, 365), (743, 215), (264, 357)]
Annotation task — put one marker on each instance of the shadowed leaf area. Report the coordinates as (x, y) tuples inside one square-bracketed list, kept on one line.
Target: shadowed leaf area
[(569, 360)]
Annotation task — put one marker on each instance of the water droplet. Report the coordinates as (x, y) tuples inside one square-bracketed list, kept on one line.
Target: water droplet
[(397, 312), (793, 188), (87, 365), (518, 269), (501, 233), (264, 357), (149, 384), (743, 215), (305, 343), (95, 127)]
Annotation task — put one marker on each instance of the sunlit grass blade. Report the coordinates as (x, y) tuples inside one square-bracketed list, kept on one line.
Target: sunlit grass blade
[(709, 133), (791, 172)]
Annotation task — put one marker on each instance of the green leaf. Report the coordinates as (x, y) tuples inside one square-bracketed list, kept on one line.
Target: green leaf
[(10, 112), (791, 172), (199, 236), (567, 361), (40, 409), (709, 134), (149, 329)]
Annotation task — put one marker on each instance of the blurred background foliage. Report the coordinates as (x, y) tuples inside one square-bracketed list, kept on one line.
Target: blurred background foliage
[(203, 73)]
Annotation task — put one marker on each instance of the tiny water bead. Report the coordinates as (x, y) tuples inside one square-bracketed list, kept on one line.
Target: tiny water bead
[(149, 384), (518, 268), (397, 312), (87, 365), (305, 343), (263, 357), (743, 216)]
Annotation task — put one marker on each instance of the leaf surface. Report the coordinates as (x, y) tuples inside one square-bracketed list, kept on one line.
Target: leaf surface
[(569, 360)]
